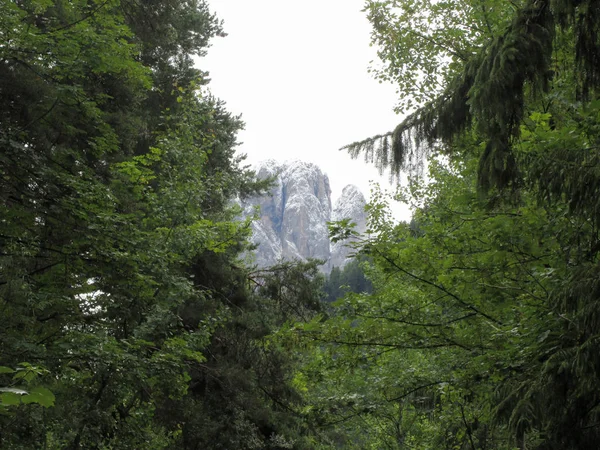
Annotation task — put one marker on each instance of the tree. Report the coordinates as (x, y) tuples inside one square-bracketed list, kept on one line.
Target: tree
[(121, 277), (482, 321), (422, 45), (458, 328), (350, 278), (527, 51)]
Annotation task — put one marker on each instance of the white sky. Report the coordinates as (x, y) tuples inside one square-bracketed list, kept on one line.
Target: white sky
[(297, 73)]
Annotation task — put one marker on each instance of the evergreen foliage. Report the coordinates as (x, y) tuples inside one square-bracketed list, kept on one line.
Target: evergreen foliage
[(350, 278), (490, 91), (128, 319), (481, 331)]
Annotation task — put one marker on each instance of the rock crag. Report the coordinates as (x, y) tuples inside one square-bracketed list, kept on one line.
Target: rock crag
[(292, 217), (350, 205)]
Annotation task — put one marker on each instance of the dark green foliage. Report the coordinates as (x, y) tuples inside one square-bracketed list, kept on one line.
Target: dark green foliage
[(121, 283), (562, 162), (482, 330), (241, 396), (351, 278)]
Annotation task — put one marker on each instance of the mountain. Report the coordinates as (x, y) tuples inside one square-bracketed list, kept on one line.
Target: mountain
[(293, 216), (350, 205)]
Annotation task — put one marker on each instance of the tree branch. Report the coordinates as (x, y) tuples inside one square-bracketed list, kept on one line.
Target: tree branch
[(440, 288)]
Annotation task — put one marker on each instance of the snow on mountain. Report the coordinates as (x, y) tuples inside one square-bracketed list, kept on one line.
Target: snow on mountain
[(350, 205), (293, 216)]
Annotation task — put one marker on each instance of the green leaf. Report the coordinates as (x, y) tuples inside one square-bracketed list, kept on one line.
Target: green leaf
[(4, 369), (40, 395), (25, 374), (10, 399)]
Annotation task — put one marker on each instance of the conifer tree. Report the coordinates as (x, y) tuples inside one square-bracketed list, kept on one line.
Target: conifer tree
[(490, 85), (482, 329), (128, 320)]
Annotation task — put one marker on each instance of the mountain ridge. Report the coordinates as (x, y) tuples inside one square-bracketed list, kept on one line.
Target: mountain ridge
[(293, 215)]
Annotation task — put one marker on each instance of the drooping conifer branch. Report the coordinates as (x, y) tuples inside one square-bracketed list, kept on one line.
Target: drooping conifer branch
[(490, 92)]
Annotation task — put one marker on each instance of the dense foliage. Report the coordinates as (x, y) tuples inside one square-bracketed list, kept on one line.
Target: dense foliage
[(482, 330), (488, 65), (128, 319), (350, 278)]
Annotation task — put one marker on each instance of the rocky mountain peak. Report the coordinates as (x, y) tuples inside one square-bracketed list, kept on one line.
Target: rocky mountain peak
[(350, 205), (293, 216)]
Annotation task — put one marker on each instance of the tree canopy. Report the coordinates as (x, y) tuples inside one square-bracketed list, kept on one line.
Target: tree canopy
[(128, 318), (481, 331), (482, 66)]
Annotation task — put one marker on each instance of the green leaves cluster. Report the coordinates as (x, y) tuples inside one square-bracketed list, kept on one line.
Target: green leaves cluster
[(476, 318), (122, 282), (481, 331), (530, 51), (14, 396), (422, 44), (120, 243)]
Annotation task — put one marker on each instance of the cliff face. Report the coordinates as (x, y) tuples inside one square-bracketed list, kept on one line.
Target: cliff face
[(293, 217), (350, 205)]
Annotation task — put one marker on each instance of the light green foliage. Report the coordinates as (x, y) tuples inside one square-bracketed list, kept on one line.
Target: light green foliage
[(440, 323), (481, 331), (481, 328), (422, 44), (121, 280), (14, 395)]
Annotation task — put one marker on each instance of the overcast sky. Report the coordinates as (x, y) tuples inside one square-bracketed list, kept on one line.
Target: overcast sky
[(297, 73)]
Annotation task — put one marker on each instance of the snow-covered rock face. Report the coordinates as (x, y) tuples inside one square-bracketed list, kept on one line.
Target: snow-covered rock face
[(350, 205), (293, 217)]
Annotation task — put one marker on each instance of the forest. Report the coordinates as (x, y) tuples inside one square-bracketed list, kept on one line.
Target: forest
[(130, 317)]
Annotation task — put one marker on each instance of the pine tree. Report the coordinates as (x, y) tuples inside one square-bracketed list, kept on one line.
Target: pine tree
[(490, 90)]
